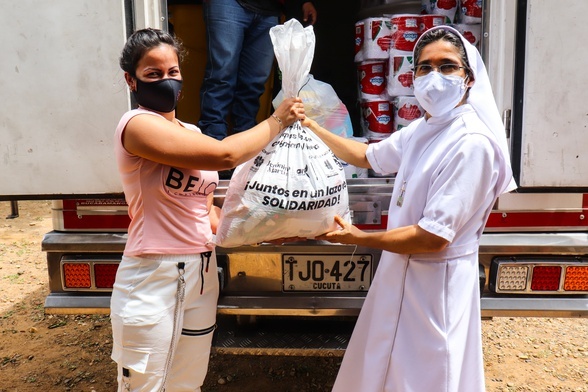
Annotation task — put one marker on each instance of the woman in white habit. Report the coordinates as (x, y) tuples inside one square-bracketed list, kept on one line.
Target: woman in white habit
[(420, 327)]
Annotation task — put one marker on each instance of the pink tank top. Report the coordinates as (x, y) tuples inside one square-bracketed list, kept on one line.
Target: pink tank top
[(167, 205)]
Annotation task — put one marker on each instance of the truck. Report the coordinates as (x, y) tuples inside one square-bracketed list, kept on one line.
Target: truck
[(67, 93)]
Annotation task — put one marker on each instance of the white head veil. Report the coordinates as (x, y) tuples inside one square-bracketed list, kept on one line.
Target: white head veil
[(482, 100)]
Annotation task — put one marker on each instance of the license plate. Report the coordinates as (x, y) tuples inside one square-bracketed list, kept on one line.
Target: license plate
[(308, 272)]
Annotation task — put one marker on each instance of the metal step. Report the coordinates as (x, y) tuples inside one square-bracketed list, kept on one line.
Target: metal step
[(284, 336)]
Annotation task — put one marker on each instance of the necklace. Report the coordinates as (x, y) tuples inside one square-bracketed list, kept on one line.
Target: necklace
[(400, 200)]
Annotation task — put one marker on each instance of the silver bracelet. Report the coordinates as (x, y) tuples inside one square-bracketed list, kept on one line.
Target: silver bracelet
[(280, 123)]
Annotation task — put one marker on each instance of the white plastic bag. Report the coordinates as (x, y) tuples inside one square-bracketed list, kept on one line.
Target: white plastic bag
[(295, 185), (322, 104)]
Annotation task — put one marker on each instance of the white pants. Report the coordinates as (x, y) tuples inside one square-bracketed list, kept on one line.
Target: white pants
[(163, 312)]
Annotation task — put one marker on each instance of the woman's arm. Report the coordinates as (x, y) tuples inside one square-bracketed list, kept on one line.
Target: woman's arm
[(351, 151), (166, 142), (402, 240)]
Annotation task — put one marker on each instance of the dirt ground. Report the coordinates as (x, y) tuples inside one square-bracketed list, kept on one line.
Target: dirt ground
[(41, 352)]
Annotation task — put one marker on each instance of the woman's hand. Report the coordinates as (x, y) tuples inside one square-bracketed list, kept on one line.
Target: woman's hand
[(309, 123), (290, 111), (309, 13), (347, 234)]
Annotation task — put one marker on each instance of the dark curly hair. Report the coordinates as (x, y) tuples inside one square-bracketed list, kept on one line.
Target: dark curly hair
[(144, 40)]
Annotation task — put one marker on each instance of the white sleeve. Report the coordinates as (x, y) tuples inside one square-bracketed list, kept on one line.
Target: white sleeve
[(385, 156), (462, 188)]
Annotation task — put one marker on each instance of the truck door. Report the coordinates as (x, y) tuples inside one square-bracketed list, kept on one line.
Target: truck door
[(63, 93), (549, 117)]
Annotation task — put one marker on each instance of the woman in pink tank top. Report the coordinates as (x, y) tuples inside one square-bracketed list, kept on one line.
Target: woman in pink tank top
[(163, 305)]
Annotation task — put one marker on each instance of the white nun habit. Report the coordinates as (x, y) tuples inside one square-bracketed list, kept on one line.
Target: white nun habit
[(419, 329)]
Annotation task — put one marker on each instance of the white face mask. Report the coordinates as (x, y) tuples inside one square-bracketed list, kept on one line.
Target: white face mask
[(438, 93)]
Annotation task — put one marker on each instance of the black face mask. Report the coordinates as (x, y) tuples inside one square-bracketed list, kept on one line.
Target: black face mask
[(161, 96)]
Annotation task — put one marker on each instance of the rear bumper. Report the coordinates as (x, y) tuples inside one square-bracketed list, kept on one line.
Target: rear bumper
[(269, 300), (71, 303)]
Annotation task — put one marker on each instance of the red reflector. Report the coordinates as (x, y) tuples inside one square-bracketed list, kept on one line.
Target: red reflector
[(77, 275), (546, 278), (576, 278), (104, 275)]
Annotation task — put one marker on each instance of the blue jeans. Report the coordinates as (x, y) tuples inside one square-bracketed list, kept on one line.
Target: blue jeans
[(240, 58)]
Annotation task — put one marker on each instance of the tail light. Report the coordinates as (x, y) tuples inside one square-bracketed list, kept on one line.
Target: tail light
[(77, 275), (534, 275), (88, 275), (104, 275), (576, 278), (546, 278)]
